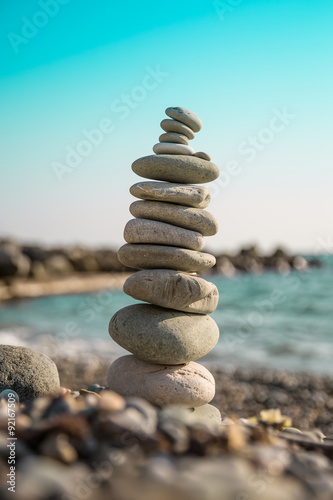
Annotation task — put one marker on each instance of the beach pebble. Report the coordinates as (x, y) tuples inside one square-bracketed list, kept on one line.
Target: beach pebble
[(174, 290), (206, 413), (140, 256), (173, 137), (146, 411), (188, 385), (163, 336), (194, 219), (183, 194), (170, 148), (29, 373), (176, 168), (58, 446), (63, 391), (160, 233), (178, 127), (185, 116), (201, 154), (111, 401)]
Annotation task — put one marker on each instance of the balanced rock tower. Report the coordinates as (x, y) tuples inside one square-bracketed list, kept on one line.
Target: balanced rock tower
[(172, 327)]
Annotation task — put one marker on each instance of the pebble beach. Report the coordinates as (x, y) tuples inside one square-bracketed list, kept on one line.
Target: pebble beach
[(92, 443)]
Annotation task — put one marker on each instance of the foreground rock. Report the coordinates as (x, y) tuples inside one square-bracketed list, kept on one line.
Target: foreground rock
[(163, 336), (29, 373), (174, 290), (188, 385)]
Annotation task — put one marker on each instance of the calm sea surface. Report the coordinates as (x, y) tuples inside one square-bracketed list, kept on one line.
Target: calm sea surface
[(265, 321)]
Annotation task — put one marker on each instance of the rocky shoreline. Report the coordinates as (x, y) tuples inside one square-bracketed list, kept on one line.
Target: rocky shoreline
[(33, 270)]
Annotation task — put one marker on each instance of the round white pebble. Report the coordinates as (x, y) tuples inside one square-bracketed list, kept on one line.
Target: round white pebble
[(171, 148)]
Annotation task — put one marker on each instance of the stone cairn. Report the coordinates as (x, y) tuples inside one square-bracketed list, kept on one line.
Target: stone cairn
[(164, 241)]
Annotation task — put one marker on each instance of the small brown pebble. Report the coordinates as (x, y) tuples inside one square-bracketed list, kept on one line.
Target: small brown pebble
[(58, 446), (23, 422), (111, 401), (202, 155), (63, 391)]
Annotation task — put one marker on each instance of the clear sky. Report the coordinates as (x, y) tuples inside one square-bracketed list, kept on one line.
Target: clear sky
[(84, 86)]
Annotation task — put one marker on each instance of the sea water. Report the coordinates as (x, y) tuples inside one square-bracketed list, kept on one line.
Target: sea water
[(269, 320)]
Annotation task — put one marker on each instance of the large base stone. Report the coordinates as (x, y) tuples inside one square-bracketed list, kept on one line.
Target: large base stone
[(188, 385)]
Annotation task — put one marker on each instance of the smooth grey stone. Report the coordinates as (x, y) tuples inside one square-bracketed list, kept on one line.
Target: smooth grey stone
[(171, 148), (29, 373), (206, 413), (194, 219), (188, 385), (163, 336), (174, 137), (201, 154), (183, 194), (160, 233), (174, 290), (185, 116), (176, 168), (178, 127), (140, 256)]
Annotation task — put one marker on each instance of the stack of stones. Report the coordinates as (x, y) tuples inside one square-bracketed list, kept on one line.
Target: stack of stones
[(164, 241)]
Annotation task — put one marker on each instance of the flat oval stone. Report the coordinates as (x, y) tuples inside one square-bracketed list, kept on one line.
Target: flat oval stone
[(185, 116), (140, 256), (170, 148), (206, 413), (189, 386), (174, 290), (176, 126), (176, 168), (182, 194), (201, 154), (163, 336), (194, 219), (173, 137), (160, 233)]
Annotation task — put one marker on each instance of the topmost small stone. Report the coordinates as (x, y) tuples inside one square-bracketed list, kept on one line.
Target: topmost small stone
[(185, 116)]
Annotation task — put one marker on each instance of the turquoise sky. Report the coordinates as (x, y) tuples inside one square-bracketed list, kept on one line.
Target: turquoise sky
[(258, 73)]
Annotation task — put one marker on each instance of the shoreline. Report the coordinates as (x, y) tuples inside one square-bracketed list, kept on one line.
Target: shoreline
[(66, 285), (30, 271)]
